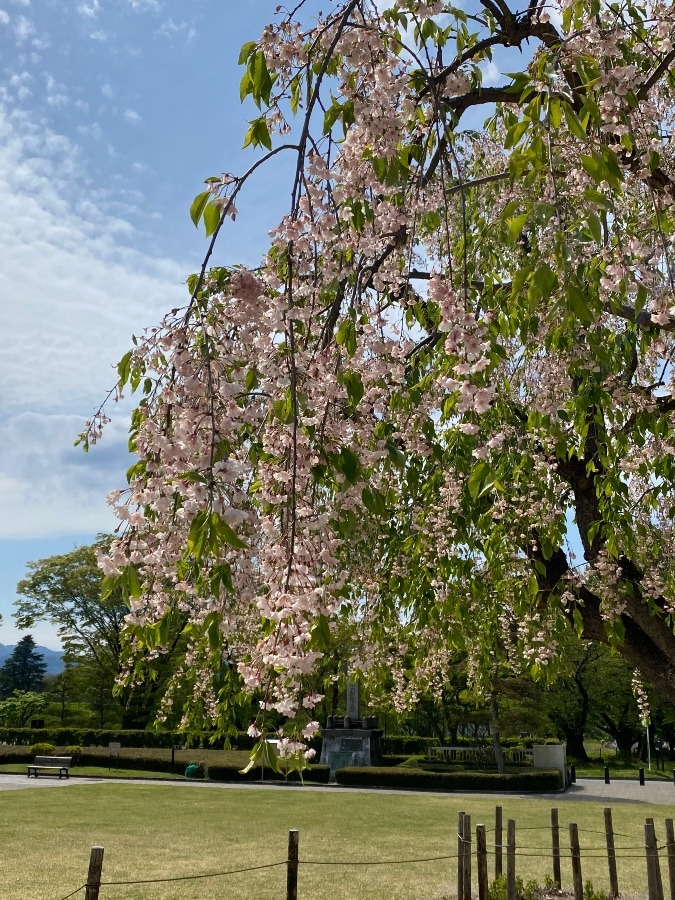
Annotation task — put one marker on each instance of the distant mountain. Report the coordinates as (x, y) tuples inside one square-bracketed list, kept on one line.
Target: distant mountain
[(53, 658)]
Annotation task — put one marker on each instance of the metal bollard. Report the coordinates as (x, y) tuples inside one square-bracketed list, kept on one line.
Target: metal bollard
[(606, 774), (642, 776)]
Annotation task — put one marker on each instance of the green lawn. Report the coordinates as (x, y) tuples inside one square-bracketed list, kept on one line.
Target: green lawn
[(161, 831)]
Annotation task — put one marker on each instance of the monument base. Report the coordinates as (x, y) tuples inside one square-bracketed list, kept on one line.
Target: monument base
[(344, 747)]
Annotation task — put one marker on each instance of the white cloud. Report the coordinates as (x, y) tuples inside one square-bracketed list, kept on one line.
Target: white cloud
[(141, 5), (89, 9), (4, 18), (132, 116), (20, 2), (23, 29), (98, 36), (93, 131), (171, 29), (107, 90), (50, 487), (491, 73), (73, 292), (56, 93)]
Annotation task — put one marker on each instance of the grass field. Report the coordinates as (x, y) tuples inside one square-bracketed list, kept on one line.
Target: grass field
[(164, 831)]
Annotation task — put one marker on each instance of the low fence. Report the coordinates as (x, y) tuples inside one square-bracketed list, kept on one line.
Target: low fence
[(480, 756), (471, 846)]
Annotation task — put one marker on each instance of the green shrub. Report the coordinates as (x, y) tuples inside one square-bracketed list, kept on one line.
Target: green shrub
[(43, 749), (529, 891), (419, 779), (74, 751)]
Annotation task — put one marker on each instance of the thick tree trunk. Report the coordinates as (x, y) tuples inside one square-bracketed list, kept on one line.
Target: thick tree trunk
[(575, 744), (649, 642)]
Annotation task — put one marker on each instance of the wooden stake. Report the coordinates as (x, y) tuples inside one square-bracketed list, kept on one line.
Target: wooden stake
[(292, 865), (654, 883), (670, 852), (94, 874), (460, 856), (466, 877), (481, 858), (611, 854), (576, 862), (555, 842), (511, 859), (498, 841)]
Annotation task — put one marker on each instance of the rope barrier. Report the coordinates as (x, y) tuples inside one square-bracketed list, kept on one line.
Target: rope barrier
[(194, 877), (68, 896), (382, 862)]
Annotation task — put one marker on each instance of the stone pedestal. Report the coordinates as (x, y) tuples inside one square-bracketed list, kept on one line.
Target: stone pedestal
[(350, 744)]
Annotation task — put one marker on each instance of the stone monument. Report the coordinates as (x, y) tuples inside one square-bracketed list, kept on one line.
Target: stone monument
[(351, 741)]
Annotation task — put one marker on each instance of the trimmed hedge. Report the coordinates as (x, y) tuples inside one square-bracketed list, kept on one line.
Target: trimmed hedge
[(315, 773), (92, 737), (418, 779)]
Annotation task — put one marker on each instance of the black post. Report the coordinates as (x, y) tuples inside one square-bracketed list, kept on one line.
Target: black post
[(606, 774), (642, 776), (573, 774)]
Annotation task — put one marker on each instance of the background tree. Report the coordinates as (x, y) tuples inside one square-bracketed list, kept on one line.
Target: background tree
[(17, 710), (23, 670), (459, 341), (65, 590)]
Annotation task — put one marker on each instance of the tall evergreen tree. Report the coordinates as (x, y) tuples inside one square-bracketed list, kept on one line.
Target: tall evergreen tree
[(24, 670)]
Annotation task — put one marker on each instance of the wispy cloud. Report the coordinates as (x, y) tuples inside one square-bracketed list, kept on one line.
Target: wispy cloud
[(4, 17), (172, 29), (143, 4), (132, 116), (75, 287), (48, 486), (89, 9), (23, 29)]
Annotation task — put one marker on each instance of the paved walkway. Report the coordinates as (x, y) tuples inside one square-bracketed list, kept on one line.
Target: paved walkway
[(619, 791)]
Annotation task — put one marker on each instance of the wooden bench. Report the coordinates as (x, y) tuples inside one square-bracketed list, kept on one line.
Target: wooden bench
[(50, 764)]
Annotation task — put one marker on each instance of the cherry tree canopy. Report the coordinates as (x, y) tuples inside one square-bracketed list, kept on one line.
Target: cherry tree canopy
[(454, 361)]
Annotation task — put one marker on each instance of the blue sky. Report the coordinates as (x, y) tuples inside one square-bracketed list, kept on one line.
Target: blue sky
[(112, 112)]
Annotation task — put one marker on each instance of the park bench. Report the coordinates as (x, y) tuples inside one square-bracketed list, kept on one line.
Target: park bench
[(50, 764)]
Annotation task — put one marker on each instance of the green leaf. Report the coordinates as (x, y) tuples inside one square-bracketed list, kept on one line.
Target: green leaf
[(348, 463), (320, 631), (354, 385), (246, 50), (258, 134), (515, 226), (346, 336), (578, 303), (212, 217), (226, 533), (124, 367), (481, 480), (595, 227), (198, 206), (263, 755), (374, 501), (197, 536), (261, 80)]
